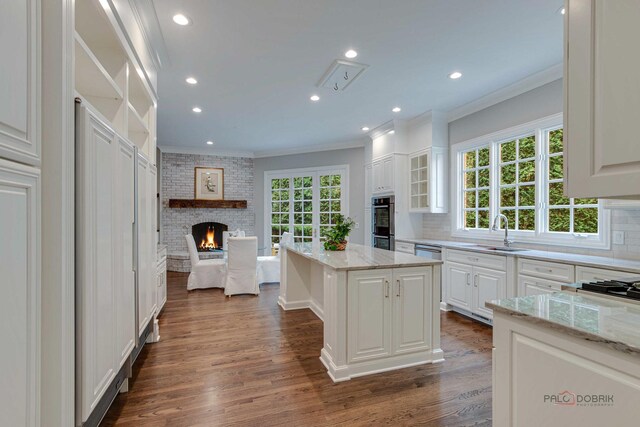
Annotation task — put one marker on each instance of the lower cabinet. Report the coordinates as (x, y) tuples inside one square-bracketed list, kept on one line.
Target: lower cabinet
[(468, 287), (535, 286), (388, 312), (162, 283)]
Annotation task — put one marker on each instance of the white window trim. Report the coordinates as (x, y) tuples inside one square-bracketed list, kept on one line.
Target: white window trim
[(284, 173), (601, 241)]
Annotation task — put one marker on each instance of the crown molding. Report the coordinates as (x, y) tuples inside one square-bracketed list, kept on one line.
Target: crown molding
[(312, 149), (525, 85), (383, 129), (146, 16), (204, 151)]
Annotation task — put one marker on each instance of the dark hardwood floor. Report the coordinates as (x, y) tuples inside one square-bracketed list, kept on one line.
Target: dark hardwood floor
[(244, 361)]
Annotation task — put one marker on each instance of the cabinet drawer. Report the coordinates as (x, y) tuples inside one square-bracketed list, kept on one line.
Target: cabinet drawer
[(408, 248), (495, 262), (590, 274), (528, 285), (547, 270)]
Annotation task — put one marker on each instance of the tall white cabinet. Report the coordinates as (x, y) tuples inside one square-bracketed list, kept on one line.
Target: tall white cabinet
[(602, 98), (20, 201)]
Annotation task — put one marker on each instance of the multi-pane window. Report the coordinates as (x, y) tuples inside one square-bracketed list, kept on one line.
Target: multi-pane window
[(565, 215), (519, 173), (517, 169), (330, 201), (280, 207), (302, 208), (476, 178)]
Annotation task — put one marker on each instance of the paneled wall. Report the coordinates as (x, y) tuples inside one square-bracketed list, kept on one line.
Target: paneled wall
[(178, 183)]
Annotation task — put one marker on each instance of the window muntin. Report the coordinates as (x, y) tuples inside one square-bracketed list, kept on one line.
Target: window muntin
[(330, 201), (303, 208), (280, 208), (565, 215), (476, 195), (517, 171)]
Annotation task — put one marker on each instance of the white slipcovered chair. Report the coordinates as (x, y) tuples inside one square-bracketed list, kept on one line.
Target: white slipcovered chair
[(269, 266), (206, 273), (227, 234), (241, 277)]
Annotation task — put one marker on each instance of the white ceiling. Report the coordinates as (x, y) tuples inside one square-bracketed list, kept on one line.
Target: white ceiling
[(258, 61)]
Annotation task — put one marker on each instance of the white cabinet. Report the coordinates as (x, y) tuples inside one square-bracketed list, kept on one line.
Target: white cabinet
[(161, 280), (369, 314), (590, 274), (405, 247), (20, 302), (471, 279), (601, 108), (528, 286), (383, 178), (411, 310), (427, 181), (458, 285), (20, 75), (389, 312)]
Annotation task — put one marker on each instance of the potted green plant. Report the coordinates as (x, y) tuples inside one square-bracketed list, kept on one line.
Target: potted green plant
[(336, 236)]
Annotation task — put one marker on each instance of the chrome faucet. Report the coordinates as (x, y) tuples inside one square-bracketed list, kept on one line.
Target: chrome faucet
[(496, 221)]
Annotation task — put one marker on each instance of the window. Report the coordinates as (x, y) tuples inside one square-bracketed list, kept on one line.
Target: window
[(519, 173), (304, 202)]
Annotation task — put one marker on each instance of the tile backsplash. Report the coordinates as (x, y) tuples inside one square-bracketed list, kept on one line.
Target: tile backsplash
[(438, 226)]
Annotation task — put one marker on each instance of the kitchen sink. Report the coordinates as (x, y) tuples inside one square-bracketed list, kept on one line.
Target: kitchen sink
[(503, 249)]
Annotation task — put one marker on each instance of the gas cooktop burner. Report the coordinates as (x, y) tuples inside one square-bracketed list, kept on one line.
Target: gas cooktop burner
[(625, 288)]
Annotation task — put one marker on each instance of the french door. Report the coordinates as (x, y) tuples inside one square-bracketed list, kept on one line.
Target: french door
[(304, 202)]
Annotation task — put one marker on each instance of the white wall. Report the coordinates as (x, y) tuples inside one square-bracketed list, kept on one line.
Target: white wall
[(354, 157)]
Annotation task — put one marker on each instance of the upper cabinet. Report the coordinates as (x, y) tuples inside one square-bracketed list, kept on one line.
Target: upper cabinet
[(602, 98), (427, 180), (383, 179), (109, 77), (19, 73)]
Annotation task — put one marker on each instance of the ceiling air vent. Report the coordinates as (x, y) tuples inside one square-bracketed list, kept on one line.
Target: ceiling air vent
[(341, 74)]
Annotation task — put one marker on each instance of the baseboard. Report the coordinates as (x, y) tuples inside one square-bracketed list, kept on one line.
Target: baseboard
[(293, 305), (315, 307)]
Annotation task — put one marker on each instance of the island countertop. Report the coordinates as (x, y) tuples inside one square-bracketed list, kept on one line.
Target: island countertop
[(359, 257), (607, 321)]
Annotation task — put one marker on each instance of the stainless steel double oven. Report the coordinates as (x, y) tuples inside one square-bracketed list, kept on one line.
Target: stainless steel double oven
[(383, 227)]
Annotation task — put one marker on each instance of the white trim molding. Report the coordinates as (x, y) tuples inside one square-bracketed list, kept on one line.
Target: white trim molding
[(312, 149), (525, 85), (204, 151)]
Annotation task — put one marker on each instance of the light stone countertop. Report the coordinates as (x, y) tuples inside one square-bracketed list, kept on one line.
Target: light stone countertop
[(561, 257), (602, 320), (359, 257)]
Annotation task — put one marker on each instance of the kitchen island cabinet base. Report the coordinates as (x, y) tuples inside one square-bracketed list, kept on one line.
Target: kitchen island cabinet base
[(376, 319)]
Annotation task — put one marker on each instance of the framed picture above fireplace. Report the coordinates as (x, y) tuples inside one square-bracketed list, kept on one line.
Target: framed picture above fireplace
[(209, 183)]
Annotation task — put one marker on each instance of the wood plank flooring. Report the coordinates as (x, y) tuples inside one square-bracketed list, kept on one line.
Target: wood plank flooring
[(243, 361)]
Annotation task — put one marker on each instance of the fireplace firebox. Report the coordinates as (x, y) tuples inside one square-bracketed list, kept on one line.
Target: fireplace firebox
[(208, 236)]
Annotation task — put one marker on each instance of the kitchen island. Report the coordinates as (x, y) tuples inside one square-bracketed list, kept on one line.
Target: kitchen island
[(380, 309), (565, 359)]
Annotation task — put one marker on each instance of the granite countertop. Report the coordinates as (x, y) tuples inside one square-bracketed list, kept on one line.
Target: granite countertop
[(359, 257), (562, 257), (607, 321)]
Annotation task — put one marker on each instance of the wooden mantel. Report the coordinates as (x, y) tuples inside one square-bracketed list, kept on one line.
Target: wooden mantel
[(211, 204)]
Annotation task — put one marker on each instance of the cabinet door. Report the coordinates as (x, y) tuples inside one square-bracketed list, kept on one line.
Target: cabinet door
[(96, 200), (125, 286), (487, 285), (529, 286), (151, 240), (601, 108), (369, 311), (411, 309), (20, 302), (19, 90), (162, 285), (458, 285), (387, 174), (143, 256), (377, 177)]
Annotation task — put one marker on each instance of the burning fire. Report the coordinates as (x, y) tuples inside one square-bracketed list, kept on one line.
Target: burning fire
[(209, 242)]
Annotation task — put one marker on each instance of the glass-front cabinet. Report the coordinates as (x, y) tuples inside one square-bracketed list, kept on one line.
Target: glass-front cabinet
[(428, 180)]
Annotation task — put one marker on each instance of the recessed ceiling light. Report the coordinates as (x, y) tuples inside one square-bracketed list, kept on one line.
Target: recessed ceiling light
[(209, 142), (392, 132), (396, 109), (351, 54), (181, 19), (365, 129), (196, 110), (191, 80), (455, 75), (315, 98)]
